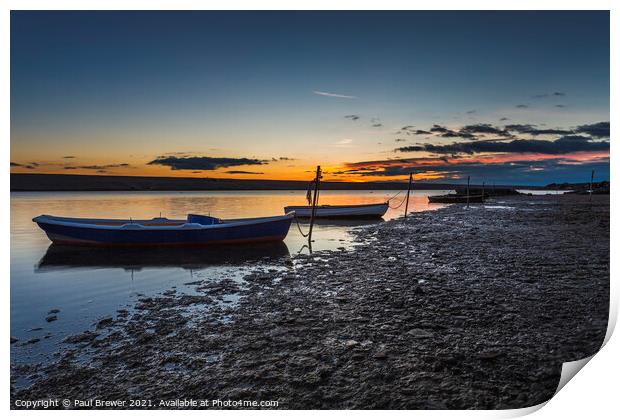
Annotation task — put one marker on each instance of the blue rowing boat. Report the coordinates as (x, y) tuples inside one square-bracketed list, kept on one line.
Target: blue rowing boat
[(194, 231)]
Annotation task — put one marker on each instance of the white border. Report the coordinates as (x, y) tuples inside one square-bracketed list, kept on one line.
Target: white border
[(592, 394)]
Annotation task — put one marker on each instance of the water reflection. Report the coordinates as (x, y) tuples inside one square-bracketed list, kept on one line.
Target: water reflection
[(60, 257), (346, 222)]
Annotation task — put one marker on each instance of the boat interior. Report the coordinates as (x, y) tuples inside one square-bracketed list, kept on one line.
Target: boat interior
[(157, 221)]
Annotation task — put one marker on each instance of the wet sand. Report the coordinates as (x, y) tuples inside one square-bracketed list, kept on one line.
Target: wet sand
[(456, 308)]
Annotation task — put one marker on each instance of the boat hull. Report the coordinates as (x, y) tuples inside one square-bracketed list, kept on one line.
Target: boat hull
[(63, 232), (455, 198), (365, 211)]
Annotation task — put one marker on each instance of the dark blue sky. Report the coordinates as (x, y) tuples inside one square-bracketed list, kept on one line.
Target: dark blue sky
[(250, 84)]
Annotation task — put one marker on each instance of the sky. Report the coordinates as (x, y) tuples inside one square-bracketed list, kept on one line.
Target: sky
[(502, 97)]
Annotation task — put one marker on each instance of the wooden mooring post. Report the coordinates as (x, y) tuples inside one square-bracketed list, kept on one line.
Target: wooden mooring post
[(315, 200), (591, 182), (467, 191), (408, 191)]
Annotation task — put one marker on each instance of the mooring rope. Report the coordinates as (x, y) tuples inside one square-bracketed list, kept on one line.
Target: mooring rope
[(305, 235), (393, 197), (401, 203)]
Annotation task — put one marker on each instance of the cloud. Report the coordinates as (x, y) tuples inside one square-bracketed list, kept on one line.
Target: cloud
[(521, 106), (597, 130), (344, 143), (516, 172), (442, 131), (352, 117), (451, 134), (513, 170), (286, 158), (566, 144), (504, 119), (183, 154), (68, 157), (436, 128), (408, 130), (98, 168), (484, 129), (546, 95), (471, 111), (376, 122), (101, 167), (333, 95), (203, 163), (31, 165), (505, 157), (532, 130), (399, 140), (481, 131), (245, 172)]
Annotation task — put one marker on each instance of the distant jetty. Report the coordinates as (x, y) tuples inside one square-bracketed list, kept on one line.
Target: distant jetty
[(487, 192), (583, 188), (59, 182)]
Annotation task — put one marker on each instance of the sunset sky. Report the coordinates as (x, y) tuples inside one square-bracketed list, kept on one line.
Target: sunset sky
[(505, 97)]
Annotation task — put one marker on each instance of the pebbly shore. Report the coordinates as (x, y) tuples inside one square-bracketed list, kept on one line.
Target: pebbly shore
[(459, 308)]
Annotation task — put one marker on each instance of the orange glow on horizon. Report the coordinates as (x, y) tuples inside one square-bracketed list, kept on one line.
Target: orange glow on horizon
[(302, 170)]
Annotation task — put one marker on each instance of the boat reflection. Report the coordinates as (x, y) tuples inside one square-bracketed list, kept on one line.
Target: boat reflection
[(341, 222), (61, 257)]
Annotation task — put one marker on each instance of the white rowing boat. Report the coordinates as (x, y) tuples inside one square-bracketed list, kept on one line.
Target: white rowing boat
[(346, 212)]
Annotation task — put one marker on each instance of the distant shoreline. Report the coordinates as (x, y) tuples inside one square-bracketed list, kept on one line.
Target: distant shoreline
[(64, 183)]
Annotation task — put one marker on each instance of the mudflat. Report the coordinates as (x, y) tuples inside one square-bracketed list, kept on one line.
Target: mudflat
[(459, 308)]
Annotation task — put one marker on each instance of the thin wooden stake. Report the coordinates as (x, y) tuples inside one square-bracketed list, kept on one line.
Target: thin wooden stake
[(468, 191), (483, 191), (315, 198), (591, 181), (408, 190)]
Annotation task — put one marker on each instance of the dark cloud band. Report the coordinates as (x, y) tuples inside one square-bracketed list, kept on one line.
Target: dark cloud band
[(566, 144), (598, 130), (203, 163)]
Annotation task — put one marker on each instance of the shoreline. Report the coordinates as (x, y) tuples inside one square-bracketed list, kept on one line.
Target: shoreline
[(453, 308), (84, 183)]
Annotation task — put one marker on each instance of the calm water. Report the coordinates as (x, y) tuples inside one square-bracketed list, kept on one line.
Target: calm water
[(88, 284)]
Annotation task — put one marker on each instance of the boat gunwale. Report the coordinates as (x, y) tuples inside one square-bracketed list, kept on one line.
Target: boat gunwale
[(338, 206), (88, 223)]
